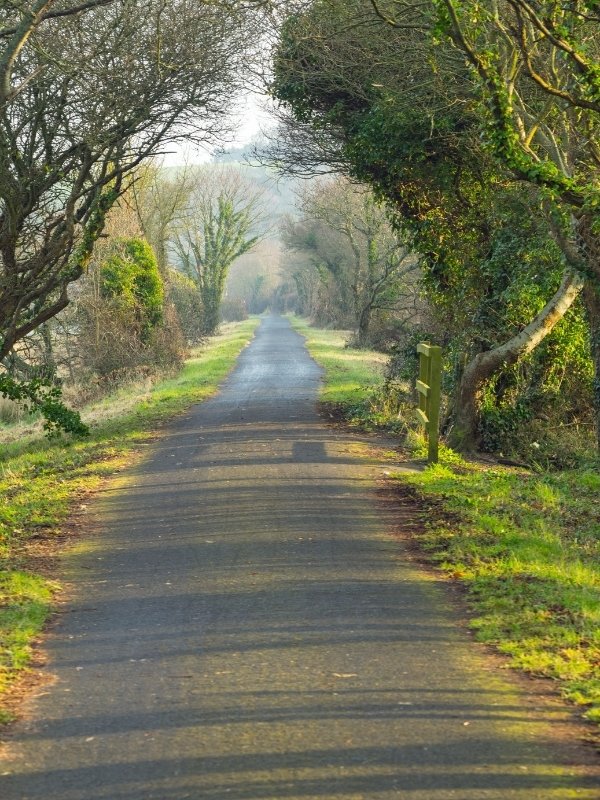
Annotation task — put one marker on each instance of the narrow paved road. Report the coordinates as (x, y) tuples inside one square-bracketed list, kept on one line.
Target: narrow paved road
[(243, 627)]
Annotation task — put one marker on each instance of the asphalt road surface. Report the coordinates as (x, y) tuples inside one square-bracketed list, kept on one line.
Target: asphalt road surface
[(243, 626)]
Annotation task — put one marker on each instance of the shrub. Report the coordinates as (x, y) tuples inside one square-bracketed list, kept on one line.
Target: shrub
[(131, 278), (233, 310), (184, 295)]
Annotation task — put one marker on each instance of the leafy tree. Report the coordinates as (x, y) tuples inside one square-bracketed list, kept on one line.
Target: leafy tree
[(537, 70), (222, 226), (413, 131)]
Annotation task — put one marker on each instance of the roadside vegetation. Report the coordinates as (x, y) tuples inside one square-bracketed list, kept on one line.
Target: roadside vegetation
[(525, 544), (351, 374), (458, 142), (451, 158), (42, 479)]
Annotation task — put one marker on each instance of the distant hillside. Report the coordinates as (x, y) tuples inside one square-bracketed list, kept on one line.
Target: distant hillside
[(281, 192)]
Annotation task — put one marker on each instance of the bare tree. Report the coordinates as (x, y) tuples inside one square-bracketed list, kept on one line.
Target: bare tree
[(359, 248), (162, 199), (86, 93)]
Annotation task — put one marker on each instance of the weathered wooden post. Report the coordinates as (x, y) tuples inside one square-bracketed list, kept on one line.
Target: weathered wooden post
[(429, 388)]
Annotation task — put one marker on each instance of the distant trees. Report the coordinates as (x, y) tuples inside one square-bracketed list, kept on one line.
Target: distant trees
[(223, 223), (349, 240), (255, 276), (182, 292), (161, 198)]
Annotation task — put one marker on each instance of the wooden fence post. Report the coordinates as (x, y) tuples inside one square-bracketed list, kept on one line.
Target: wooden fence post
[(429, 387)]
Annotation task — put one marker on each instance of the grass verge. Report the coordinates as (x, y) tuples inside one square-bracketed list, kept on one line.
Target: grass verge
[(40, 479), (525, 545), (351, 376)]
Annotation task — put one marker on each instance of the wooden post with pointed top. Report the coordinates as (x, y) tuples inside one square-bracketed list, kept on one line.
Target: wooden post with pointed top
[(429, 388)]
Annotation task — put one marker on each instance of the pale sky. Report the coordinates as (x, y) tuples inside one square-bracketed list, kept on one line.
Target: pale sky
[(252, 115)]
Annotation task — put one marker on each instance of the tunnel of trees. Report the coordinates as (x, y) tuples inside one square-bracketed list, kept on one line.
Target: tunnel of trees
[(432, 174)]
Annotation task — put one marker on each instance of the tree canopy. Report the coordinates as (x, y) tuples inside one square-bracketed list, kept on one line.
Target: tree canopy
[(419, 128), (86, 93)]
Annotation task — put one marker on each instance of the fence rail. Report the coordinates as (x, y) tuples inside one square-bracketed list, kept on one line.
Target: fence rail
[(429, 387)]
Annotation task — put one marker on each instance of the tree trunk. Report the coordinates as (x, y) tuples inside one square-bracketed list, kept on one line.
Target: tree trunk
[(589, 244), (211, 304), (465, 422), (49, 363), (364, 323), (211, 320)]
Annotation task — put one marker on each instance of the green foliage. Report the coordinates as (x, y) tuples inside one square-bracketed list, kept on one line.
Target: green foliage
[(125, 322), (44, 396), (132, 277), (490, 261), (524, 407), (428, 164), (566, 38), (355, 387), (24, 601)]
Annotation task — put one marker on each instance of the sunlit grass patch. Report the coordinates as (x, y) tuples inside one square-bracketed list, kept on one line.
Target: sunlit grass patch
[(40, 479), (351, 375), (527, 546), (24, 600)]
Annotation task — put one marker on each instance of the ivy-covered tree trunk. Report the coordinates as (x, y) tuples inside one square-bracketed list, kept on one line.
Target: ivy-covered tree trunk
[(226, 211), (211, 304), (465, 417), (590, 245)]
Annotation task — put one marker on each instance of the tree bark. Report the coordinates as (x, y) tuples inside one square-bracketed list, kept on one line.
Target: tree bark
[(364, 323), (464, 434), (589, 244)]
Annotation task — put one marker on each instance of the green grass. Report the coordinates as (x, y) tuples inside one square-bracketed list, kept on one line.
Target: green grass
[(525, 545), (40, 479), (351, 375)]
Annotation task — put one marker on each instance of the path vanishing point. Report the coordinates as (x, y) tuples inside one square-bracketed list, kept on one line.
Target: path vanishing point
[(242, 625)]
